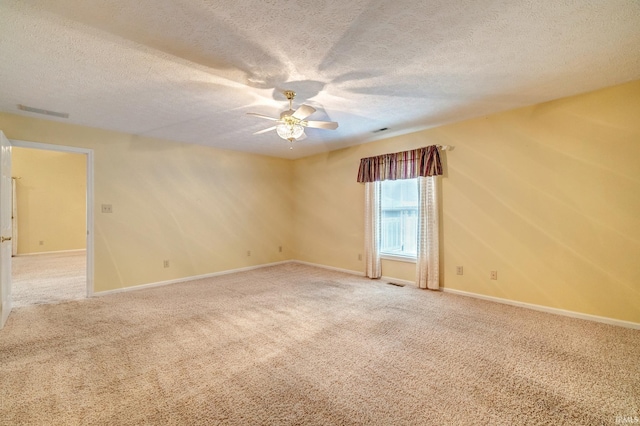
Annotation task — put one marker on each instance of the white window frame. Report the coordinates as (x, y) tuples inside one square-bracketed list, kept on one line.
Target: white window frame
[(395, 256)]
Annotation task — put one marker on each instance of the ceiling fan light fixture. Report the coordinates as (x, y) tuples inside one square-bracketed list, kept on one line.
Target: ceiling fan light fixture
[(291, 124), (289, 130)]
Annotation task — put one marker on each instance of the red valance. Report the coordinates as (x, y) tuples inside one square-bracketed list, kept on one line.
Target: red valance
[(401, 165)]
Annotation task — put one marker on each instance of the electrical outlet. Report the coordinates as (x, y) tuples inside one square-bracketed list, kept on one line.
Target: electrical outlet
[(280, 249), (248, 253), (494, 275), (41, 243), (459, 270), (107, 208), (166, 263), (359, 256)]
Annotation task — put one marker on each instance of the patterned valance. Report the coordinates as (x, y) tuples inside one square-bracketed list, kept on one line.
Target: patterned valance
[(401, 165)]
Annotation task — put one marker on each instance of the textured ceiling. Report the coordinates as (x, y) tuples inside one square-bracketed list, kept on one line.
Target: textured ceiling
[(190, 70)]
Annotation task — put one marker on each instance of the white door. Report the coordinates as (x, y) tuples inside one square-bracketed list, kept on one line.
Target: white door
[(5, 228)]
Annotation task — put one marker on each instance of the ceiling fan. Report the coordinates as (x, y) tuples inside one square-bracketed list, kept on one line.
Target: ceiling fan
[(291, 124)]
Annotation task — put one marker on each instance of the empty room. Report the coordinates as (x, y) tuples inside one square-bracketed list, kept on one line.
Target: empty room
[(325, 213)]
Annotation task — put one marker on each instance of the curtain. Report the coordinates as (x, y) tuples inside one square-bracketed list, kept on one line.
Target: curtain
[(372, 229), (428, 258), (424, 164), (401, 165)]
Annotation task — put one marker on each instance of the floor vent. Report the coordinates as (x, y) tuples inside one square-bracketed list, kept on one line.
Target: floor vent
[(396, 284)]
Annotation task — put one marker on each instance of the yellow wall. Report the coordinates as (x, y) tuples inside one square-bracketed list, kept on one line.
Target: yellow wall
[(51, 199), (548, 195), (198, 207)]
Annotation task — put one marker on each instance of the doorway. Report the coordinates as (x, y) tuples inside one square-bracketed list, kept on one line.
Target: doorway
[(54, 192)]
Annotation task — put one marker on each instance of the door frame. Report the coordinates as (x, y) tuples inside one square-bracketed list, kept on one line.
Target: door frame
[(5, 249), (89, 197)]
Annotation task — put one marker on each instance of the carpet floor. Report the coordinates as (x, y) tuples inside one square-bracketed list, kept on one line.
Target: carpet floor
[(48, 278), (297, 345)]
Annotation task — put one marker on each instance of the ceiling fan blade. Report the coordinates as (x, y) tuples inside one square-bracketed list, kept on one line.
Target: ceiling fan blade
[(259, 132), (330, 125), (263, 116), (303, 112)]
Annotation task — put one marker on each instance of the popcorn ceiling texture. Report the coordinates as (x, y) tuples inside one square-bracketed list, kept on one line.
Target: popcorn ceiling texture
[(294, 344), (190, 71)]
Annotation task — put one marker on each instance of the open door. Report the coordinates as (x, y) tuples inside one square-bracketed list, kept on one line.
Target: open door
[(5, 228)]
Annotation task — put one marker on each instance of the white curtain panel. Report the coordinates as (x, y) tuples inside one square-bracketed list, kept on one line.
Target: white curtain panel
[(428, 259), (372, 229)]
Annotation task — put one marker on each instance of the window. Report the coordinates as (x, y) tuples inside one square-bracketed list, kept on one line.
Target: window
[(399, 217)]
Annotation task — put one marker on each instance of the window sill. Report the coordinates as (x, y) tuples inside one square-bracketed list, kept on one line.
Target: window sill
[(398, 258)]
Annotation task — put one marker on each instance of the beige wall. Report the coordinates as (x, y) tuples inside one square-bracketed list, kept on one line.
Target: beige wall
[(51, 195), (548, 195), (198, 207)]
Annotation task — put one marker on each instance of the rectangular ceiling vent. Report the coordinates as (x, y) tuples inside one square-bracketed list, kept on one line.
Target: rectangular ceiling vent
[(43, 111), (380, 130)]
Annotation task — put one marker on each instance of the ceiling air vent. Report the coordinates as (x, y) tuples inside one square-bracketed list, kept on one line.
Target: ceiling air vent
[(43, 111), (380, 130)]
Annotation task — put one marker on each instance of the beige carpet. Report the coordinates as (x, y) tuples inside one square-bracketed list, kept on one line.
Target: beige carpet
[(292, 344), (48, 278)]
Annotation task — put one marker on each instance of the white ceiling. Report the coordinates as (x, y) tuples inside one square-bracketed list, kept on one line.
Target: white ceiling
[(190, 70)]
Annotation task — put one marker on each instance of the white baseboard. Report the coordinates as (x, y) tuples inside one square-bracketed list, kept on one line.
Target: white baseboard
[(349, 271), (331, 268), (185, 279), (556, 311), (50, 252)]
